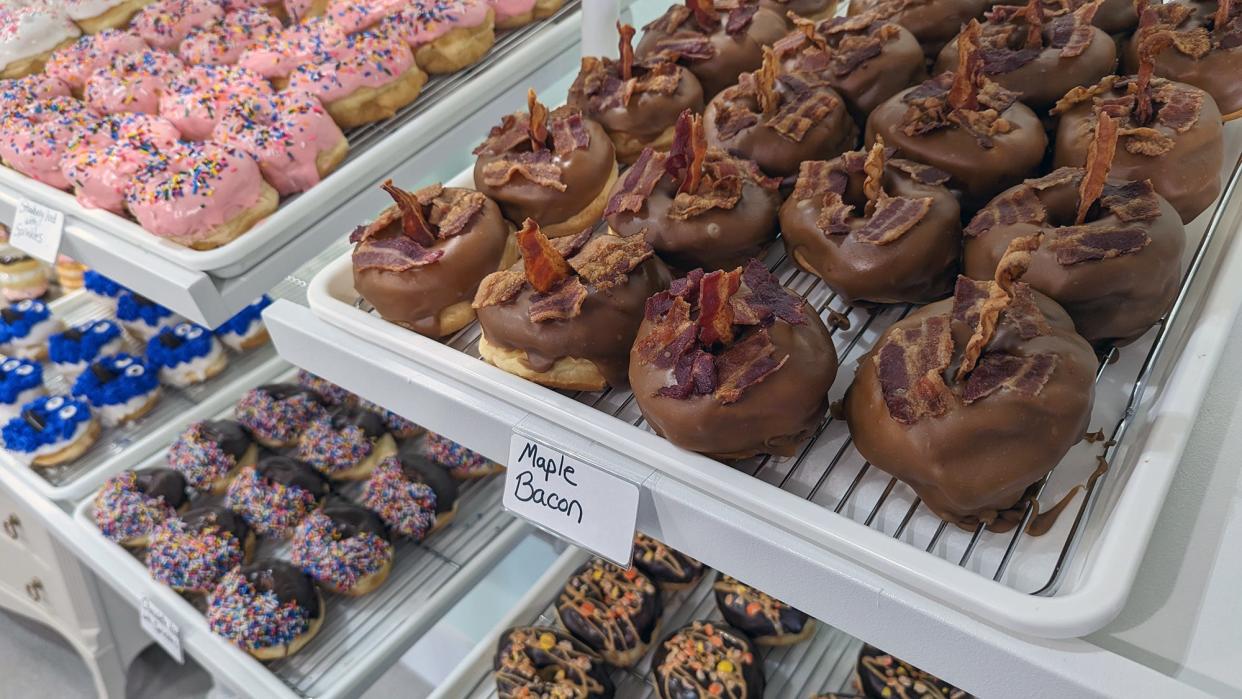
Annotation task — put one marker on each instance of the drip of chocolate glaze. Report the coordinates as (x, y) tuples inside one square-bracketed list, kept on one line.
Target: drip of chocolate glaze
[(352, 520), (229, 435), (285, 391), (287, 582), (162, 482)]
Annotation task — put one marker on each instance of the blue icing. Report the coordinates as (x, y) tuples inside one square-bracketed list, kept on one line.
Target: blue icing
[(60, 417), (131, 307), (97, 283), (82, 343), (17, 375), (240, 323), (115, 379), (17, 320), (179, 344)]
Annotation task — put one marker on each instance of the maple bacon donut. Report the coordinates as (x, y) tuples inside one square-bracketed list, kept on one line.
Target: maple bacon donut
[(932, 22), (1204, 48)]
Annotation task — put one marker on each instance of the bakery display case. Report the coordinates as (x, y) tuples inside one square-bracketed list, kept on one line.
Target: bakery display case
[(1069, 587)]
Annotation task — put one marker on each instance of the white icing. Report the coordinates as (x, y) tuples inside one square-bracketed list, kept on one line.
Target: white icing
[(72, 371), (28, 457), (8, 411), (28, 347), (234, 340), (193, 371), (86, 9), (113, 415), (32, 29), (140, 329)]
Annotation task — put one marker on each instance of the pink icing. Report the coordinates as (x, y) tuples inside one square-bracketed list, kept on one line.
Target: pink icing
[(511, 8), (356, 15), (296, 45), (101, 177), (133, 83), (165, 23), (233, 5), (196, 99), (75, 63), (223, 43), (368, 60), (197, 193), (17, 93), (33, 140), (423, 22), (286, 133)]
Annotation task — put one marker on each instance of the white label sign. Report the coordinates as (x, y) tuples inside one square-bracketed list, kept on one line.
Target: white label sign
[(37, 230), (576, 500), (162, 629)]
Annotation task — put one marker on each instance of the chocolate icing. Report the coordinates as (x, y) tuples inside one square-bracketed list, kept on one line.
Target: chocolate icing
[(918, 267), (689, 660), (204, 517), (162, 482), (1216, 70), (229, 435), (540, 661), (285, 391), (1187, 175), (413, 298), (610, 609), (731, 53), (370, 422), (932, 22), (352, 519), (288, 471), (418, 468), (1113, 300), (881, 676), (813, 9), (663, 564), (758, 614), (287, 582)]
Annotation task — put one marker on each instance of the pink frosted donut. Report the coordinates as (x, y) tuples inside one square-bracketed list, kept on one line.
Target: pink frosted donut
[(355, 15), (28, 31), (33, 140), (288, 133), (209, 186), (223, 43), (142, 147), (298, 44), (75, 63), (368, 59), (133, 83), (18, 92), (166, 22), (421, 23), (508, 9), (196, 99)]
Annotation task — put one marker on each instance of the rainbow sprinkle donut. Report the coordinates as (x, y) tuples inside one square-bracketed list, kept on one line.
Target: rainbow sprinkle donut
[(344, 547), (223, 43), (133, 82), (164, 23), (130, 506), (34, 138), (277, 413), (269, 609), (16, 93), (330, 392), (196, 99), (346, 443), (211, 452), (75, 63), (463, 463), (192, 552), (274, 495), (411, 494)]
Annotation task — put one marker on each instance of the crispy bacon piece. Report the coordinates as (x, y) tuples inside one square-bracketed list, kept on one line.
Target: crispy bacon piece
[(545, 267), (923, 174), (569, 132), (1017, 205), (498, 288), (873, 167), (537, 126), (1150, 47), (562, 303), (694, 374), (607, 260), (834, 215), (429, 194), (1012, 265), (893, 218), (997, 371), (536, 166), (455, 218), (853, 51), (819, 176), (964, 92), (505, 136), (687, 287), (1059, 176), (397, 254), (1096, 241), (672, 334), (626, 50), (705, 13), (910, 365), (569, 245), (715, 193), (1033, 14), (765, 84), (688, 152), (805, 105), (1099, 162), (1181, 106), (1146, 141), (638, 184), (715, 310), (1133, 201), (689, 48), (740, 18), (765, 296), (733, 119), (806, 28), (413, 223), (744, 364), (1001, 60), (1080, 32)]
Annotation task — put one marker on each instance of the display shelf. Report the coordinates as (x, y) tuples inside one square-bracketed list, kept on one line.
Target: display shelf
[(210, 287)]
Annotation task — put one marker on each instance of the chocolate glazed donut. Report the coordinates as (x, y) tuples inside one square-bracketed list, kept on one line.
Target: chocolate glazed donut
[(702, 655), (1040, 58), (932, 22), (670, 569), (288, 471), (540, 661), (767, 620), (716, 40), (1207, 52), (417, 468), (162, 483), (420, 261), (881, 676), (731, 364), (893, 239), (1113, 264), (614, 611), (968, 417), (966, 125)]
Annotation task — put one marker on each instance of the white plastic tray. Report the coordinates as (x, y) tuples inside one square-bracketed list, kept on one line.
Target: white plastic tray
[(373, 149), (119, 447), (822, 663), (1081, 580), (361, 637)]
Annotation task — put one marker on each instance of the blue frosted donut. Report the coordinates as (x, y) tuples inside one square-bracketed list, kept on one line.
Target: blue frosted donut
[(18, 376), (83, 343), (141, 315), (99, 285), (245, 323), (114, 380), (182, 343), (47, 421), (18, 319)]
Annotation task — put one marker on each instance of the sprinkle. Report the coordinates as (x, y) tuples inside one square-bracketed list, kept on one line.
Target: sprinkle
[(406, 506), (123, 512), (192, 560), (271, 509), (251, 619), (322, 552)]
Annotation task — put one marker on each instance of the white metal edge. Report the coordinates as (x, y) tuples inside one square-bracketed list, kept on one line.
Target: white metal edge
[(478, 661)]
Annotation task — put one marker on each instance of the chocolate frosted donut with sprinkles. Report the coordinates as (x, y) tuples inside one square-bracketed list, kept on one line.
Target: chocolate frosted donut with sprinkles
[(21, 381), (346, 443), (707, 660), (275, 494), (398, 427), (268, 608), (462, 463), (614, 611), (767, 620), (277, 413), (131, 505), (210, 453), (331, 393), (120, 387), (669, 568), (344, 547), (192, 552), (413, 495), (540, 661)]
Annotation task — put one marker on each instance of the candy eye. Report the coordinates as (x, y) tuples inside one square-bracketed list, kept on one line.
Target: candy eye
[(25, 370), (182, 330), (10, 365), (55, 402), (24, 306), (135, 370), (103, 327), (67, 412), (122, 362), (194, 333)]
